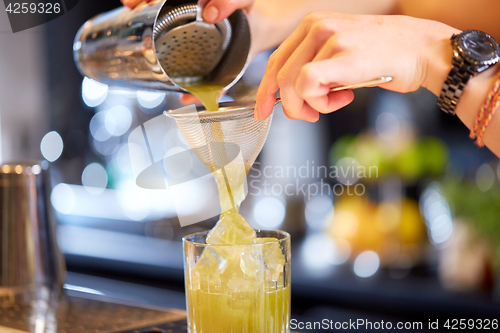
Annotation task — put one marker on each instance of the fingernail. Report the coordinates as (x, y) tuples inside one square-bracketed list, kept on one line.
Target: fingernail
[(210, 14)]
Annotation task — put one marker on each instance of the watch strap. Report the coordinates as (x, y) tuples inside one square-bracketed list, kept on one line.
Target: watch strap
[(453, 87)]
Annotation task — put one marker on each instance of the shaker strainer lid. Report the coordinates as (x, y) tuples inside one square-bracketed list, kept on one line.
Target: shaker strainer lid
[(190, 50), (187, 48)]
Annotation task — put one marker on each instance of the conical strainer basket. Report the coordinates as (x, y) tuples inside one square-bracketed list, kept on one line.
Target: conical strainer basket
[(218, 137)]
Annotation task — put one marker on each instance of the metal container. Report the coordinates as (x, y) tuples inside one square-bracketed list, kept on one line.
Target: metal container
[(29, 254), (118, 47)]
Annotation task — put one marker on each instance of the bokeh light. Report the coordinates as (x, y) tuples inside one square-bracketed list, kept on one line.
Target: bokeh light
[(347, 170), (318, 254), (441, 228), (366, 264), (36, 169), (341, 253), (98, 128), (44, 164), (485, 177), (316, 210), (150, 99), (346, 223), (134, 200), (269, 212), (94, 178), (387, 126), (437, 214), (117, 120), (63, 198), (93, 93), (51, 146)]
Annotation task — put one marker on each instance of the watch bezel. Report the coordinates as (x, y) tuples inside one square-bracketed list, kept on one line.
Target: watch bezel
[(467, 56)]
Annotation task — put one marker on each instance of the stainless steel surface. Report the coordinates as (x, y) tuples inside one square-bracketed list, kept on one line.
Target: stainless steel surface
[(233, 125), (29, 253), (371, 83), (123, 47), (83, 313)]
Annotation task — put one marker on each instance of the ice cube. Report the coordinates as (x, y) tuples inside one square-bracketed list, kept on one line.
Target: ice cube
[(252, 261), (273, 256), (211, 262), (208, 272), (231, 229), (233, 276)]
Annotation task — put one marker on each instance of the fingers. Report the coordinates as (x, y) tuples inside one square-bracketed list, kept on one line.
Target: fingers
[(331, 101), (309, 94), (266, 94), (318, 77), (133, 3), (189, 99), (216, 10), (285, 65), (130, 3), (264, 103), (302, 55), (308, 113)]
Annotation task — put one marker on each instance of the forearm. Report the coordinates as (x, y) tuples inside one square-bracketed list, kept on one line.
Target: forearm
[(462, 14), (473, 96), (272, 21), (469, 104)]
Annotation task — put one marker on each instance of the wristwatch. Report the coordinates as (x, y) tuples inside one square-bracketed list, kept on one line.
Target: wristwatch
[(473, 52)]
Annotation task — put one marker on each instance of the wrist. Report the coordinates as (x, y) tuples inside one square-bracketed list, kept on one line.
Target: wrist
[(475, 93), (438, 56)]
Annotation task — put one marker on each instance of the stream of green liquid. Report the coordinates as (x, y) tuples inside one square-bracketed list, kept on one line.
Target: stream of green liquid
[(208, 94)]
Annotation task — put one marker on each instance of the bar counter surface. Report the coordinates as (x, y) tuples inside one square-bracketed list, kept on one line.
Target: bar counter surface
[(116, 307)]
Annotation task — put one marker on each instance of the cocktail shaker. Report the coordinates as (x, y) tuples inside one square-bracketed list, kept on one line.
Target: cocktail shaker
[(29, 255), (151, 46)]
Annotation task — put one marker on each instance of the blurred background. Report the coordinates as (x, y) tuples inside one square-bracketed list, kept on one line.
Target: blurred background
[(415, 236)]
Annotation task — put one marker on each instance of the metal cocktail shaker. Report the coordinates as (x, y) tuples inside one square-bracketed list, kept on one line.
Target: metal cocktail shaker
[(124, 47), (29, 254)]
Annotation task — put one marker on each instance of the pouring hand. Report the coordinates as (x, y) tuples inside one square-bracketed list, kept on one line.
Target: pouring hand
[(213, 10), (216, 10), (187, 99), (330, 49), (133, 3)]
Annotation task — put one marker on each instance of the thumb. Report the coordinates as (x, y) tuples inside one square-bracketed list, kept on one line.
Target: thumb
[(216, 10)]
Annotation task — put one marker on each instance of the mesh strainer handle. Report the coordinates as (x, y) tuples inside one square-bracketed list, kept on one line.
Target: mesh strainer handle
[(371, 83)]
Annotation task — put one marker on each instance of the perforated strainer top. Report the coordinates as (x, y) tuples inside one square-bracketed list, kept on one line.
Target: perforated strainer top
[(234, 123), (188, 49)]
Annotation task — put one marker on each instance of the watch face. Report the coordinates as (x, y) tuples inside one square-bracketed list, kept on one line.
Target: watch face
[(479, 47)]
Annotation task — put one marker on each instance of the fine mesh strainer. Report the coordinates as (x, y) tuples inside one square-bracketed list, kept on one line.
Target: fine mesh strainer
[(217, 136)]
